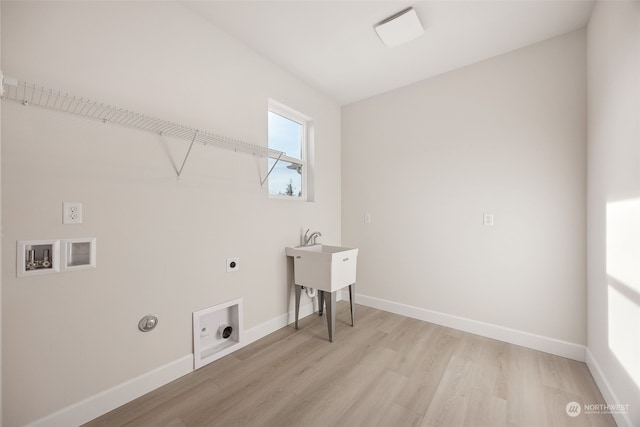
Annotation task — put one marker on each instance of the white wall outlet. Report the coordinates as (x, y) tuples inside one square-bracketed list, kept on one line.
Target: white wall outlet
[(487, 219), (367, 217), (233, 264), (72, 213)]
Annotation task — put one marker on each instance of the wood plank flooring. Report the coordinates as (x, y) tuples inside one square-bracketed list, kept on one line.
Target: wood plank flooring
[(387, 371)]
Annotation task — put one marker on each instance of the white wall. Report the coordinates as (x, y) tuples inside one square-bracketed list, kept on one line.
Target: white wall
[(505, 136), (614, 203), (1, 229), (162, 245)]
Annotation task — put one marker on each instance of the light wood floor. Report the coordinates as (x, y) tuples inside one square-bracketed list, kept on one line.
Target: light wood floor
[(387, 371)]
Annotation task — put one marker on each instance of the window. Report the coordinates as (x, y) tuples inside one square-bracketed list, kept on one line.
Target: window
[(287, 133)]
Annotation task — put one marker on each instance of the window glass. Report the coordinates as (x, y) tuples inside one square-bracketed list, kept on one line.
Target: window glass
[(287, 133), (285, 179)]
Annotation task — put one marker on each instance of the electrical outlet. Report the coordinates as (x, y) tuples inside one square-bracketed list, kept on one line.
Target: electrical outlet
[(233, 264), (72, 213)]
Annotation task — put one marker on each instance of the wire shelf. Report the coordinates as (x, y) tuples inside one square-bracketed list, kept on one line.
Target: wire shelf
[(33, 95)]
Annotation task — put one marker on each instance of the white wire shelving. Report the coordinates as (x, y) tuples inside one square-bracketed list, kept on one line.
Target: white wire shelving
[(39, 96)]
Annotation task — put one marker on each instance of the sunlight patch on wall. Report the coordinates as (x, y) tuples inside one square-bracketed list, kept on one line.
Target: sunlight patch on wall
[(624, 336), (623, 270)]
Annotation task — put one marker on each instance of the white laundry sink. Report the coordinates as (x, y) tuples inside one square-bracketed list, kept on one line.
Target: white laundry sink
[(323, 267)]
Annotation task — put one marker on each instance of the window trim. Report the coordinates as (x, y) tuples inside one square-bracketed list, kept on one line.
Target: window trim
[(303, 120)]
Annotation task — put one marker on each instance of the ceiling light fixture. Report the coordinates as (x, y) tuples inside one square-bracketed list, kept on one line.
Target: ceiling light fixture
[(400, 28)]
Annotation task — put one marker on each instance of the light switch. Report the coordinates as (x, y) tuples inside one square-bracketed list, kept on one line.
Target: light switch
[(487, 219)]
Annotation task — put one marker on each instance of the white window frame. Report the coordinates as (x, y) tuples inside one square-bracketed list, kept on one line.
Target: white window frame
[(295, 116)]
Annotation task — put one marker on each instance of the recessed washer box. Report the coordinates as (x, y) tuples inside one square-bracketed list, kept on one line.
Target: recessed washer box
[(36, 257), (78, 254)]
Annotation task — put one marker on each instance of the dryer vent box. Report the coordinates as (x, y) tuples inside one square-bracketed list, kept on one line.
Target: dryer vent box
[(217, 331)]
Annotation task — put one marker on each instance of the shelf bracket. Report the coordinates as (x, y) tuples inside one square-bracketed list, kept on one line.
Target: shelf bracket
[(195, 135), (262, 181)]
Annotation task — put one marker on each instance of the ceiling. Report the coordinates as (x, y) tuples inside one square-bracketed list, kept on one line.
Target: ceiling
[(332, 45)]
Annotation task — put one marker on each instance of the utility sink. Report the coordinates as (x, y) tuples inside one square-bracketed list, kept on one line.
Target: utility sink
[(323, 267)]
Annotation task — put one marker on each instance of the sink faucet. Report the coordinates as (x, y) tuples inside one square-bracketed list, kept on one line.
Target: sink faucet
[(310, 239)]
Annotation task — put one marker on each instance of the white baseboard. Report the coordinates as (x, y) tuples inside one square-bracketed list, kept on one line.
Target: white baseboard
[(101, 403), (501, 333), (270, 326), (108, 400), (610, 397)]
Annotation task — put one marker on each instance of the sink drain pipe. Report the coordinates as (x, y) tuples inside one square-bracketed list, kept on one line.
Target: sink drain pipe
[(310, 292)]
